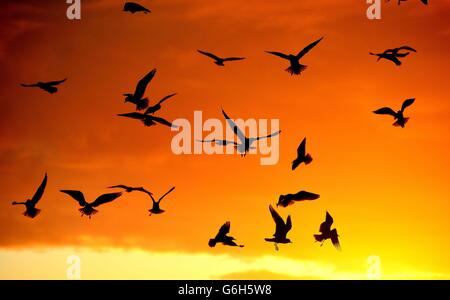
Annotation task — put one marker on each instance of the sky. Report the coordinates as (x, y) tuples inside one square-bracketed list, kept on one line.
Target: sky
[(387, 188)]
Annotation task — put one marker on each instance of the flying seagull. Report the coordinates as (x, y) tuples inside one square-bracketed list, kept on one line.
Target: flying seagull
[(327, 233), (133, 7), (219, 60), (130, 189), (30, 205), (88, 208), (423, 1), (394, 54), (137, 98), (148, 120), (295, 67), (289, 199), (156, 208), (400, 119), (245, 143), (302, 156), (49, 86), (157, 106), (223, 237), (281, 230)]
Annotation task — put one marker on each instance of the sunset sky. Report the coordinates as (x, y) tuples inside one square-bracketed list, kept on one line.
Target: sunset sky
[(386, 187)]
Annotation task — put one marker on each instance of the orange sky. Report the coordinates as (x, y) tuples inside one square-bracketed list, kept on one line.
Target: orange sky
[(387, 188)]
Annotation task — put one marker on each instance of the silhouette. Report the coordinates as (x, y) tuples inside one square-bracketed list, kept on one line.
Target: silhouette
[(223, 237), (302, 156), (295, 67), (130, 189), (49, 87), (134, 8), (136, 98), (394, 54), (327, 233), (289, 199), (88, 208), (400, 119), (400, 1), (218, 60), (281, 230), (156, 209), (148, 120), (30, 204), (157, 106)]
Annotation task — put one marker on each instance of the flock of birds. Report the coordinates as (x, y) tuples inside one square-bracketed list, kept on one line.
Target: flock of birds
[(146, 114)]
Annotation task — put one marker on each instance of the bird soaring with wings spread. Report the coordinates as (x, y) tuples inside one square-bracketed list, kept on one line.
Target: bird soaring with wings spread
[(156, 209), (400, 119), (302, 156), (133, 7), (137, 97), (148, 120), (30, 205), (219, 60), (400, 1), (281, 229), (394, 54), (223, 237), (49, 87), (130, 189), (157, 106), (295, 67), (88, 208), (289, 199), (327, 233)]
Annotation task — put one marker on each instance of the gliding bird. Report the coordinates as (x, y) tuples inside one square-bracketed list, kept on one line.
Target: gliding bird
[(30, 205)]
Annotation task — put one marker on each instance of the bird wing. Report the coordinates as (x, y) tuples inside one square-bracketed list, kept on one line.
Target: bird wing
[(402, 54), (235, 128), (77, 195), (301, 150), (279, 54), (29, 85), (288, 224), (304, 195), (40, 191), (120, 186), (141, 189), (162, 121), (268, 136), (385, 111), (335, 239), (224, 230), (233, 58), (160, 198), (219, 142), (134, 115), (308, 48), (142, 84), (407, 103), (326, 225), (105, 198), (215, 57), (329, 219), (166, 97), (279, 222), (56, 82), (406, 48)]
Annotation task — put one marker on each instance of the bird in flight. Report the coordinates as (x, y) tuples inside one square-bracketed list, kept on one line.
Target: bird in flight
[(30, 205), (133, 7), (156, 209), (400, 1), (394, 54), (148, 120), (88, 208), (302, 156), (281, 229), (400, 119), (223, 237), (137, 98), (327, 233), (219, 60), (295, 67), (289, 199), (130, 189), (49, 87), (157, 106)]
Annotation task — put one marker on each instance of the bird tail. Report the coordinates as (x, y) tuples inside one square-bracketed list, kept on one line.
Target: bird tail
[(401, 124), (318, 237), (32, 213), (296, 70), (88, 211), (308, 159)]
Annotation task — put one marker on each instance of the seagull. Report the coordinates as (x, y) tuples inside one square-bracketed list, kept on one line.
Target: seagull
[(295, 67), (156, 209), (130, 189), (394, 54), (133, 7), (30, 205), (136, 98), (157, 106), (302, 156), (219, 60), (282, 229), (148, 120), (289, 199), (223, 237), (400, 119), (327, 233), (245, 143), (49, 86), (88, 208), (423, 1)]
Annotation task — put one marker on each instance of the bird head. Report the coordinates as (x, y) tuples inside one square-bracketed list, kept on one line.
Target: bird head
[(127, 97)]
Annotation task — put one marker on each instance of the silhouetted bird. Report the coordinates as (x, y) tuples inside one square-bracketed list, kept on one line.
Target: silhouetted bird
[(130, 189), (394, 54), (295, 67), (49, 87), (219, 60), (157, 106), (30, 204), (156, 209), (302, 156), (88, 208), (423, 1), (400, 119), (245, 143), (137, 98), (327, 233), (133, 7), (223, 237), (281, 229), (289, 199), (148, 120)]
